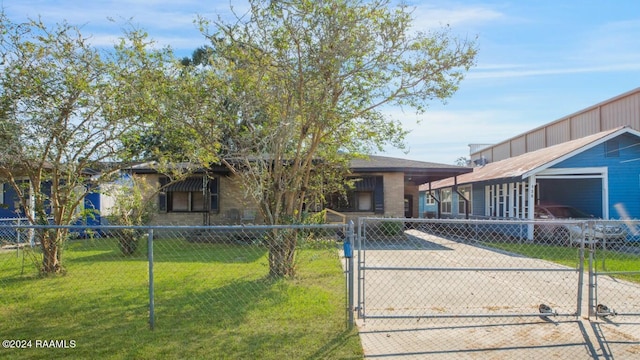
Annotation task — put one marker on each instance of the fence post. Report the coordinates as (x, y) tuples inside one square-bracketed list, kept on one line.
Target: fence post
[(592, 282), (348, 253), (361, 232), (580, 274), (151, 289)]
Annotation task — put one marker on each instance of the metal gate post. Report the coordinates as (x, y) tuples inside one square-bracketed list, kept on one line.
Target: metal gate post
[(360, 272), (349, 255), (151, 284), (580, 275), (592, 285)]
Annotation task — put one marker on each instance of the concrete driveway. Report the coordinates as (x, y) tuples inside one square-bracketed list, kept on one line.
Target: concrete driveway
[(403, 307)]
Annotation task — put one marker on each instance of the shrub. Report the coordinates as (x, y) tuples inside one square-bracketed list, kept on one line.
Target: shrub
[(391, 228)]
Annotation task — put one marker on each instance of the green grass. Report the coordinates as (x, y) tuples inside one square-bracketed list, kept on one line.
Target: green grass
[(211, 301), (604, 260)]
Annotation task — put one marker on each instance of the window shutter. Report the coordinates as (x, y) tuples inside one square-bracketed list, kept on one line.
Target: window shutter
[(162, 195), (213, 191), (378, 195)]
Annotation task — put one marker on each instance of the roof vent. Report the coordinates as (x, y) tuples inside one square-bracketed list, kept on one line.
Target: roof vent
[(482, 161)]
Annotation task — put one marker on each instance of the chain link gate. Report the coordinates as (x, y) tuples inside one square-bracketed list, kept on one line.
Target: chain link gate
[(435, 268), (614, 283), (480, 289)]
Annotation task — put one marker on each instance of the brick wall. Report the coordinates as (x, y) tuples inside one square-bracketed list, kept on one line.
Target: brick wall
[(394, 194), (232, 203)]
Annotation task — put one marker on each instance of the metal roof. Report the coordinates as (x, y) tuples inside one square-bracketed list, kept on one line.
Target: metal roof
[(419, 172), (187, 185), (603, 116), (523, 166)]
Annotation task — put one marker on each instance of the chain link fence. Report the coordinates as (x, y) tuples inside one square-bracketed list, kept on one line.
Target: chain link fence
[(492, 288), (423, 287), (197, 283)]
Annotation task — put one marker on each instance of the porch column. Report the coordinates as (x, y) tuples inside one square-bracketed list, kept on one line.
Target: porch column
[(531, 202)]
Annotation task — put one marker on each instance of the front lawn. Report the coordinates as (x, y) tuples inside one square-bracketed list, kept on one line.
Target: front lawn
[(211, 301), (603, 260)]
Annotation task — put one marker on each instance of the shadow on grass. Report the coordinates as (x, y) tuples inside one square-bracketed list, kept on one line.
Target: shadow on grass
[(201, 311), (220, 307), (334, 344), (171, 250)]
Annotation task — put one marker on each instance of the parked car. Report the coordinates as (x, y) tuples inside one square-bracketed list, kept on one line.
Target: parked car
[(571, 232)]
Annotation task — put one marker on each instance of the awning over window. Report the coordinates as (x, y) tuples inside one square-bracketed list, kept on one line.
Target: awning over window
[(188, 185), (365, 183)]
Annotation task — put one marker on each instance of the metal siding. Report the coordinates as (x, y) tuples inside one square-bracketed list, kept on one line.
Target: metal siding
[(488, 154), (623, 174), (624, 179), (518, 146), (474, 148), (623, 112), (558, 132), (586, 123), (535, 140), (501, 152)]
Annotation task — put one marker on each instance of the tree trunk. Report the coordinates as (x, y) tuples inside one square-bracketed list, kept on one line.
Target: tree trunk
[(282, 248), (50, 241)]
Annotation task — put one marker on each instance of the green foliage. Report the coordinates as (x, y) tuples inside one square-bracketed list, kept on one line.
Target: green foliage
[(65, 109), (391, 228), (134, 205), (298, 87)]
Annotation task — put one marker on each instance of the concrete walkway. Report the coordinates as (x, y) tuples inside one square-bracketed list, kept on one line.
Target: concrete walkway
[(402, 307)]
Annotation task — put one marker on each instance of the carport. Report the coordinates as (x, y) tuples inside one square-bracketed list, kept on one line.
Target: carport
[(577, 173)]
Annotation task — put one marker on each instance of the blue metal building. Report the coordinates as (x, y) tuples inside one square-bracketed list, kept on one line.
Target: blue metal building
[(598, 173)]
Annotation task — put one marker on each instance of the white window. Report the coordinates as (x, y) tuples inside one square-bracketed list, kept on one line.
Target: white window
[(465, 191), (429, 199), (445, 201)]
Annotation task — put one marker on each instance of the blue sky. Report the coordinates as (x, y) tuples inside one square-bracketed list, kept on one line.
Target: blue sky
[(538, 60)]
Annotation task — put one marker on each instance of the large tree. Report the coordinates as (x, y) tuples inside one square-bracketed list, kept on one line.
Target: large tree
[(64, 108), (301, 87)]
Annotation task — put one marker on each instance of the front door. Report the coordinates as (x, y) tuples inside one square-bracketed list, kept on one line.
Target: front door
[(408, 206)]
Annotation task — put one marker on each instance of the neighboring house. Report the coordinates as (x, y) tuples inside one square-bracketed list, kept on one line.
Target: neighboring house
[(598, 174), (384, 186), (92, 211), (10, 206), (587, 159), (392, 185), (621, 110)]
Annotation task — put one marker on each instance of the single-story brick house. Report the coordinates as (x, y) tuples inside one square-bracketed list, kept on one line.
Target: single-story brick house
[(386, 187)]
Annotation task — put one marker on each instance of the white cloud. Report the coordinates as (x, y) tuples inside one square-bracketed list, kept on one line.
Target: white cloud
[(495, 71), (429, 16)]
